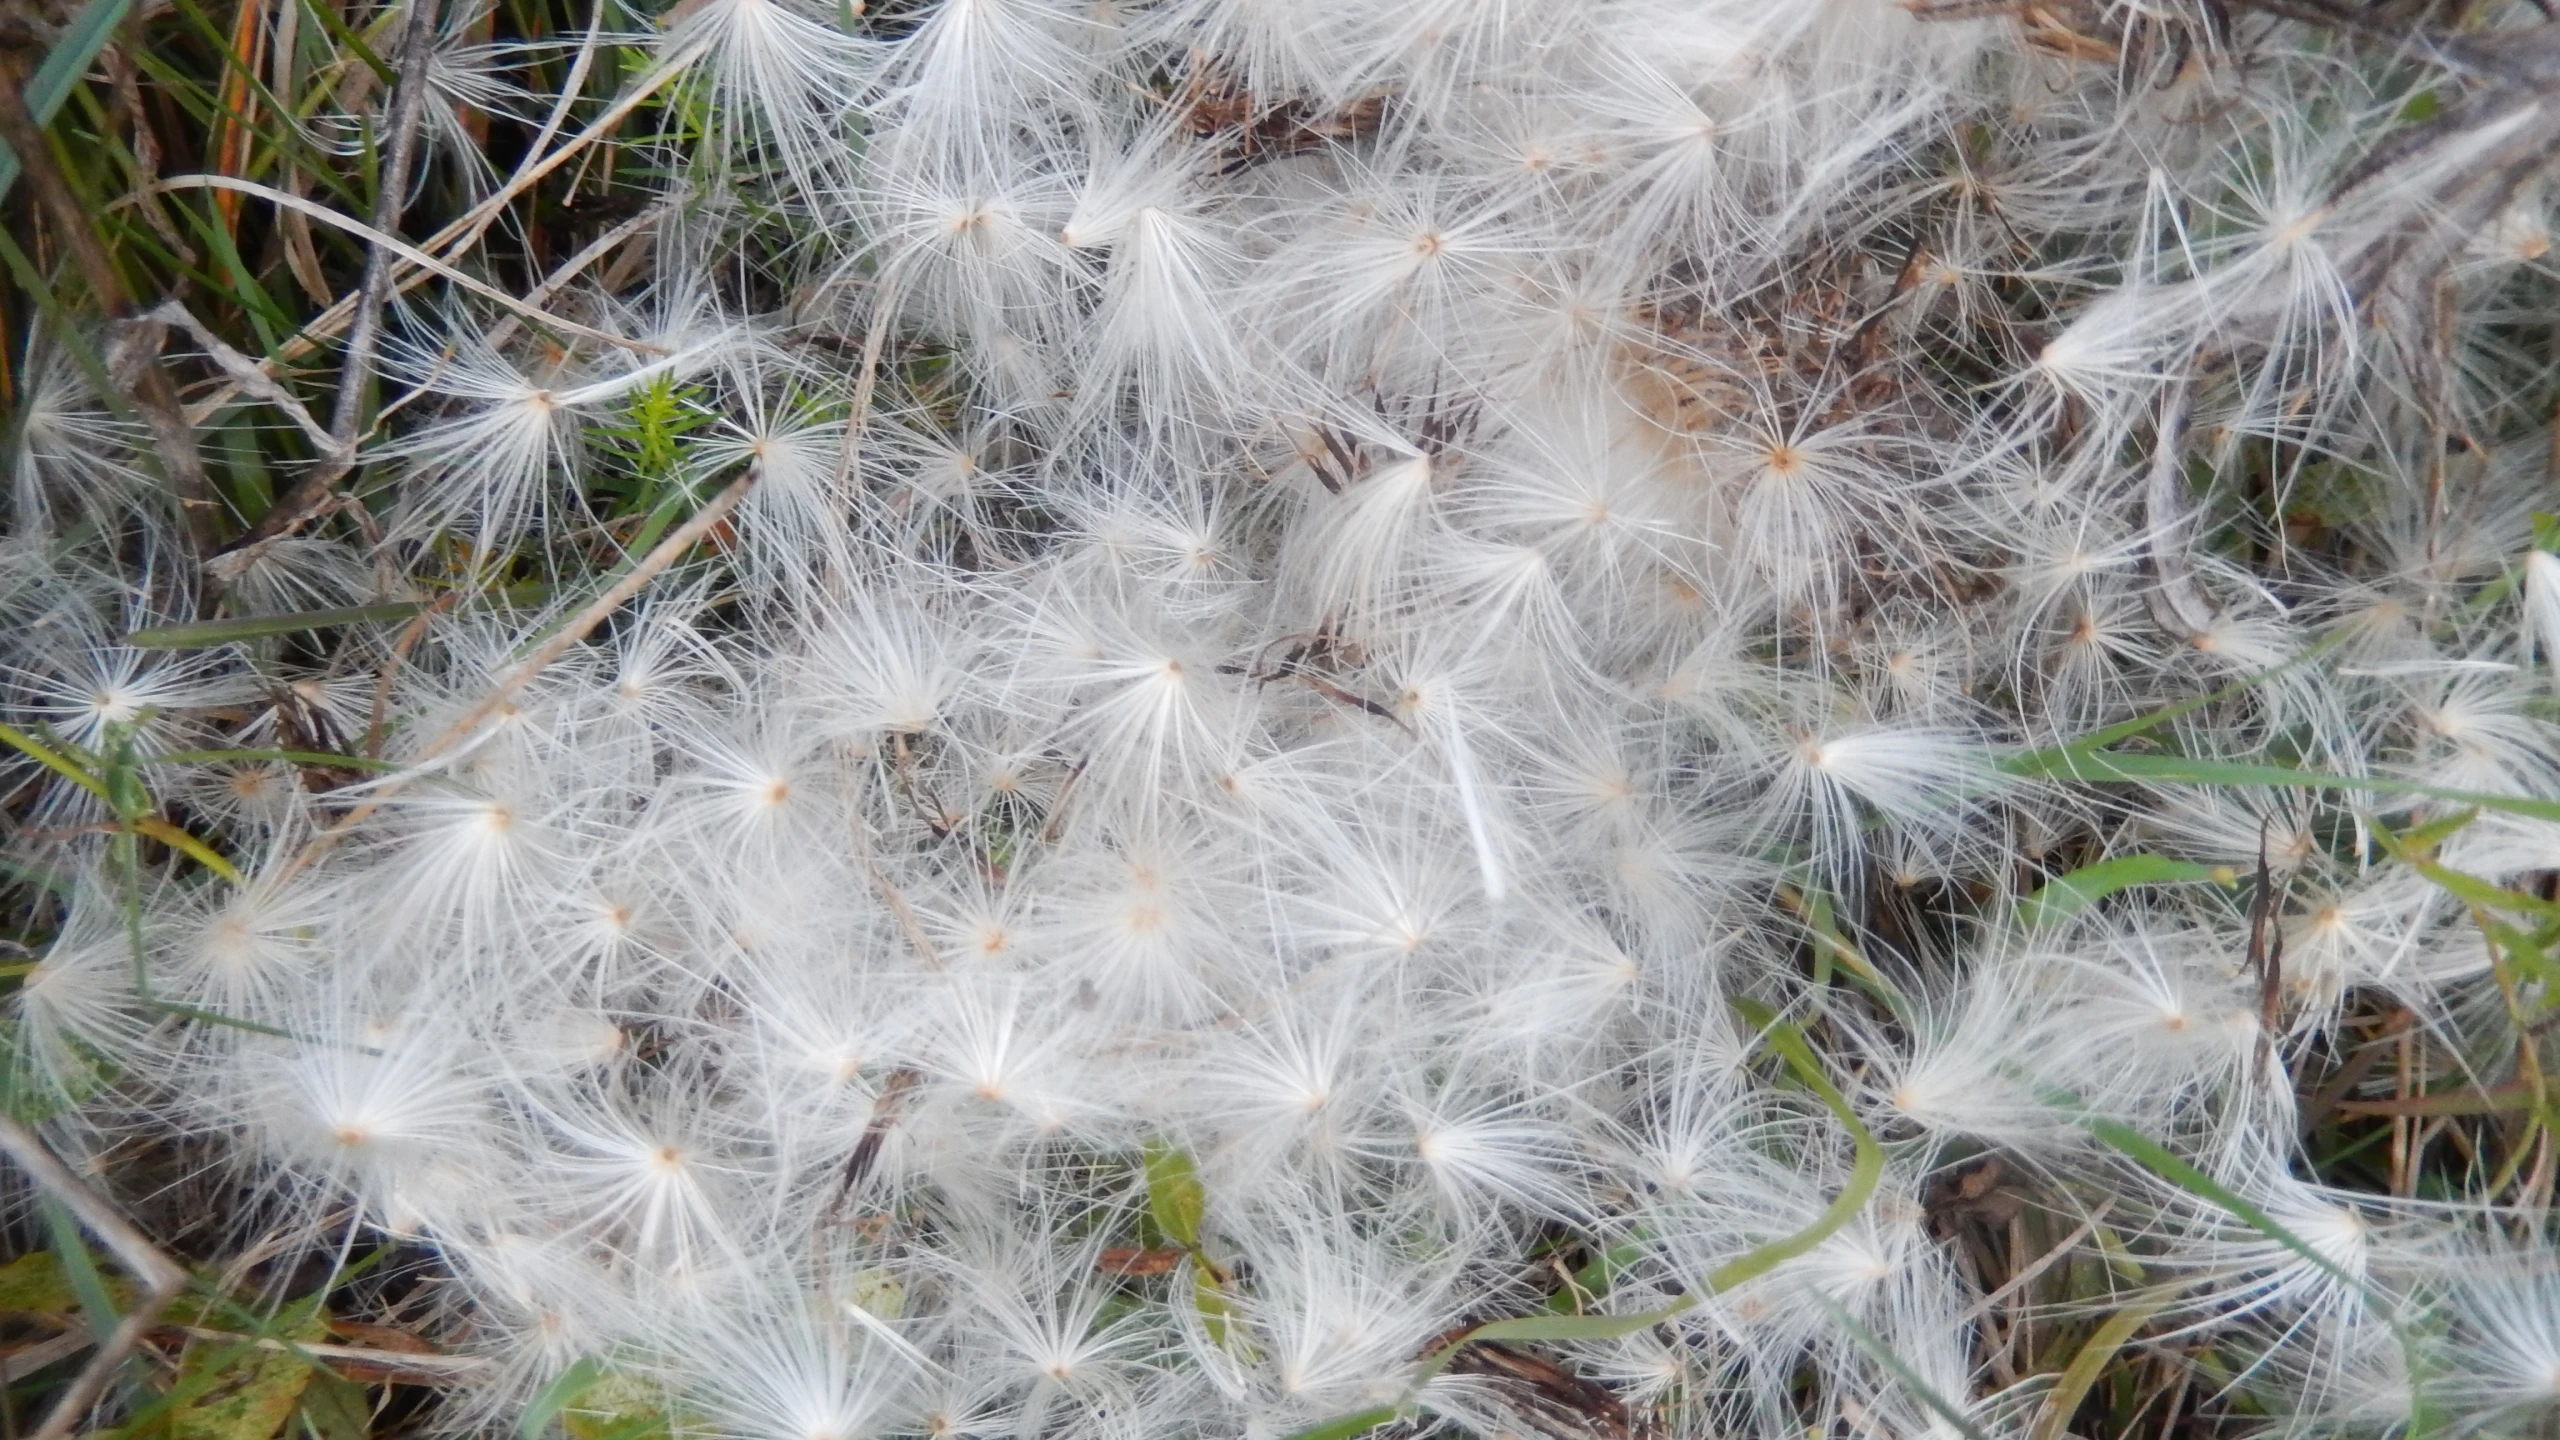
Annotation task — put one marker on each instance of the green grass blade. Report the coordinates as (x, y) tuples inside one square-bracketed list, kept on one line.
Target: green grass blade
[(556, 1396), (2167, 1164), (79, 1268), (2104, 766), (53, 760), (1550, 1327), (2092, 1359), (2064, 896), (198, 634), (1883, 1355), (63, 66), (1864, 1175), (2140, 724), (2412, 850)]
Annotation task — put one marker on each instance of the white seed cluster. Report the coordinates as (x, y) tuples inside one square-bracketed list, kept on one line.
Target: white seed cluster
[(1338, 602)]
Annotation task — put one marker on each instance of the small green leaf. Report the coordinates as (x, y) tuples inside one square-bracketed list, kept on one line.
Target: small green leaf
[(1830, 944), (1210, 1299), (33, 1092), (34, 1284), (335, 1408), (617, 1427), (254, 1392), (618, 1406), (126, 793), (1549, 1327), (1174, 1195), (879, 1293), (2530, 955)]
